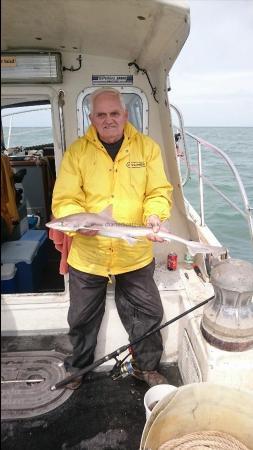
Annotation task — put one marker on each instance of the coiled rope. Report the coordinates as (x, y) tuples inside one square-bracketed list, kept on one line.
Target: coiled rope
[(203, 440)]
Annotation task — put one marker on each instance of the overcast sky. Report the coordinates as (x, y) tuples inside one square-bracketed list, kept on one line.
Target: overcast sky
[(212, 80)]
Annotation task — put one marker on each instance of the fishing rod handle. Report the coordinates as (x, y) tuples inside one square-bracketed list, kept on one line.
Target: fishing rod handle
[(89, 368)]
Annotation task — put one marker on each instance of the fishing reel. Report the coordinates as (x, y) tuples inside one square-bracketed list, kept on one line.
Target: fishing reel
[(121, 369)]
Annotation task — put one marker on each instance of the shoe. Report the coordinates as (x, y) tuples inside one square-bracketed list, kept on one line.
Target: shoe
[(74, 384), (151, 377)]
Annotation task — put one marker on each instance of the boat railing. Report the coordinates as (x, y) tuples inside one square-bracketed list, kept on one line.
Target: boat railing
[(246, 212)]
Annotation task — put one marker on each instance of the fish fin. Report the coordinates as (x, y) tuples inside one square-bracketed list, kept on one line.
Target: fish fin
[(129, 239), (106, 214)]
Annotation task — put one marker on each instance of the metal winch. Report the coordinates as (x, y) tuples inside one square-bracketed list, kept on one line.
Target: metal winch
[(227, 321)]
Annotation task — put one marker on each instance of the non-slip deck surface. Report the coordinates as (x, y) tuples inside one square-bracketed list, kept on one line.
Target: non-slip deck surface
[(102, 415)]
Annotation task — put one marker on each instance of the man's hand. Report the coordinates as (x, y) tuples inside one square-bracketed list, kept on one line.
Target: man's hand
[(155, 223)]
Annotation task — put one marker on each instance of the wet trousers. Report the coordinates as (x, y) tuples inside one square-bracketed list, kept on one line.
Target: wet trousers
[(139, 306)]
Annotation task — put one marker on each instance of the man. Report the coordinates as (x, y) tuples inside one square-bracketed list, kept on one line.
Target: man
[(113, 164)]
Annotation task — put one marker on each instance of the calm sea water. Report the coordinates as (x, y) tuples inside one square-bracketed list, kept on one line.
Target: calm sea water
[(226, 223)]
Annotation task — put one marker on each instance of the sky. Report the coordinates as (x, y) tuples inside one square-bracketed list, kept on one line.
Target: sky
[(212, 79)]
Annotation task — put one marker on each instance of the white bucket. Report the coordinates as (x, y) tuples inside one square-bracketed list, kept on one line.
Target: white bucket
[(200, 407), (155, 394)]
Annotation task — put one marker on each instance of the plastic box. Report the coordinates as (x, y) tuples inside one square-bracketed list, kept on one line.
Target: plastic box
[(35, 235), (8, 278), (24, 254), (39, 236)]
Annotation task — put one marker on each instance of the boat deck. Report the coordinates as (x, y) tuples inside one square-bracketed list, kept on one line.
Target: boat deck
[(102, 415)]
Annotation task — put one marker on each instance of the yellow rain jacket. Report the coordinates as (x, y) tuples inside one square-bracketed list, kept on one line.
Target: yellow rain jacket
[(134, 184)]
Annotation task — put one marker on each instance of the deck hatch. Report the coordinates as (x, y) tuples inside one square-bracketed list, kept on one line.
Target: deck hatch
[(26, 378)]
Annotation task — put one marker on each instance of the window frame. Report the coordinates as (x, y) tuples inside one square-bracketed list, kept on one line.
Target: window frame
[(25, 104), (123, 90)]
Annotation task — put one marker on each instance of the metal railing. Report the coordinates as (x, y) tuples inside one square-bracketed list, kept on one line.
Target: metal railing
[(183, 137), (246, 212)]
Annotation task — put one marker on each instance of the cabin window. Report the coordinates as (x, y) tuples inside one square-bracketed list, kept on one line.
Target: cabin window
[(30, 260), (135, 101), (27, 126)]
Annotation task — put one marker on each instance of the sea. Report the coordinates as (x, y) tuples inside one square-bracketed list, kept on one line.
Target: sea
[(228, 225)]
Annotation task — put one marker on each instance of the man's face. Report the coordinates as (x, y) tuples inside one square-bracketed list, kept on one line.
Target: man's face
[(108, 117)]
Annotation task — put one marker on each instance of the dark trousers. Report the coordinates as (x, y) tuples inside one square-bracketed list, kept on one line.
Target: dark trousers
[(139, 306)]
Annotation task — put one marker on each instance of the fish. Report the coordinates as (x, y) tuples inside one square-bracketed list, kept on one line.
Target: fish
[(106, 226), (80, 221)]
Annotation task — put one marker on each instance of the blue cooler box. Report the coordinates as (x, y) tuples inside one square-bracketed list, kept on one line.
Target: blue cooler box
[(8, 279), (39, 236), (24, 255)]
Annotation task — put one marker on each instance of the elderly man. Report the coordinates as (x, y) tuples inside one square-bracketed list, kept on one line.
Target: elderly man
[(113, 164)]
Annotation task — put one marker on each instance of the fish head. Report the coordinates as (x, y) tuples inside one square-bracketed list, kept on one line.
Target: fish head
[(80, 221), (72, 222), (62, 225)]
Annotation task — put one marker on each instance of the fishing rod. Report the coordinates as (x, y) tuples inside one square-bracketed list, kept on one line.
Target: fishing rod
[(123, 348)]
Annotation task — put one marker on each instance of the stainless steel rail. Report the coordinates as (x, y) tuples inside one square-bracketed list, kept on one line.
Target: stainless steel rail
[(25, 111), (61, 103), (182, 132), (246, 212)]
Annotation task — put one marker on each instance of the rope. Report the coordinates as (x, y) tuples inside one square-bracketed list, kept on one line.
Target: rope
[(203, 440)]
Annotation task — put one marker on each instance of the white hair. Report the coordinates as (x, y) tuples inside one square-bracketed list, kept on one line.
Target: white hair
[(105, 90)]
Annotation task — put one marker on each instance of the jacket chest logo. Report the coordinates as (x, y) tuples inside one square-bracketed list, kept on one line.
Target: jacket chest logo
[(135, 164)]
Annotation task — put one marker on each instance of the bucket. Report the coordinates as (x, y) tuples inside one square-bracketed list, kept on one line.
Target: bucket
[(200, 407), (154, 395)]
